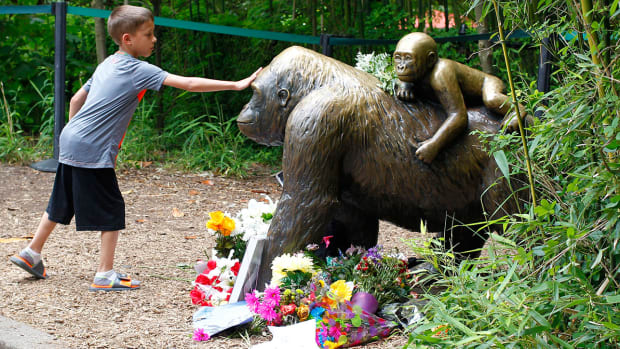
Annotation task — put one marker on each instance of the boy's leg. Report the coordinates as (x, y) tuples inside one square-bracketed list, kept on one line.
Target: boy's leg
[(109, 240), (106, 278), (29, 258), (46, 226)]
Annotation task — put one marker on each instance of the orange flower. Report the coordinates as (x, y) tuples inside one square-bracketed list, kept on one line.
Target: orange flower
[(302, 312), (227, 226)]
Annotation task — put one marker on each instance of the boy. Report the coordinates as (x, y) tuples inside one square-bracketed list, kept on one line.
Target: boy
[(450, 82), (99, 114)]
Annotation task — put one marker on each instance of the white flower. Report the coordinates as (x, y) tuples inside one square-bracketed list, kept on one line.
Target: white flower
[(250, 220), (287, 262)]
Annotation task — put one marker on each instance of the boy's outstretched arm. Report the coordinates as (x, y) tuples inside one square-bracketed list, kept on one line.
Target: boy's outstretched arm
[(77, 101), (194, 84)]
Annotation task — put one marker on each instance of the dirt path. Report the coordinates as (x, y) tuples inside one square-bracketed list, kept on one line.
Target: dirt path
[(165, 216)]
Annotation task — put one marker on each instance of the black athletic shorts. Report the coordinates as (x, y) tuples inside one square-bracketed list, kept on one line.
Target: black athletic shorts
[(91, 194)]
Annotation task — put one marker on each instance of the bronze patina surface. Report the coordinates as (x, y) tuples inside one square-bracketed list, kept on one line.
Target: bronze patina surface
[(349, 159), (421, 72)]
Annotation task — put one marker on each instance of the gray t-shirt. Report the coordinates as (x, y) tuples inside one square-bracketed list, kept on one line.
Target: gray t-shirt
[(93, 137)]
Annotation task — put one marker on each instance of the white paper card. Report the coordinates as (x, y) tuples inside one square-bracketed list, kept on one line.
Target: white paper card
[(303, 334)]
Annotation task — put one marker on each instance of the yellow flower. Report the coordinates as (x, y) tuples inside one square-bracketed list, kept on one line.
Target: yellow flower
[(216, 219), (227, 226), (341, 290), (331, 345)]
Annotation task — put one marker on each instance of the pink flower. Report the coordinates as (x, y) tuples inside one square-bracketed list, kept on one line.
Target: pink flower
[(200, 335), (266, 312), (272, 296), (326, 240), (252, 301)]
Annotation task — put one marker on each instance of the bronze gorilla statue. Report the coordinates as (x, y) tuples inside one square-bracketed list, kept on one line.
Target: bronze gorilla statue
[(349, 159)]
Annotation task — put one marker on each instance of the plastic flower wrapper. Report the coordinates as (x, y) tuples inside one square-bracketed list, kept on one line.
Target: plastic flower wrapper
[(346, 325), (226, 237), (208, 321), (255, 219)]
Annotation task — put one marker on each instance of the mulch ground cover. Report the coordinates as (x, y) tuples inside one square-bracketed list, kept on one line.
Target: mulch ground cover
[(166, 212)]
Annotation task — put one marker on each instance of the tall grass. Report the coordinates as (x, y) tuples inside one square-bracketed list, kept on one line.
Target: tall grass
[(14, 146)]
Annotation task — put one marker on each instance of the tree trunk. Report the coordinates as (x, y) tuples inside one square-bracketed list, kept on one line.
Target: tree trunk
[(347, 14), (421, 16), (361, 13), (456, 10), (294, 9), (160, 117), (429, 16), (446, 15), (100, 33), (312, 9), (485, 52)]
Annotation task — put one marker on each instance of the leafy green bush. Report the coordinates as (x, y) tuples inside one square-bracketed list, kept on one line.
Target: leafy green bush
[(552, 278)]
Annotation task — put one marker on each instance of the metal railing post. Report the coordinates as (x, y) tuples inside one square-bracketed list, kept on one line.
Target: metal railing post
[(544, 71), (59, 9)]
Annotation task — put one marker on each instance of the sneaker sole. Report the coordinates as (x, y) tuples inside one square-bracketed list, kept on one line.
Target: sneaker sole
[(25, 266)]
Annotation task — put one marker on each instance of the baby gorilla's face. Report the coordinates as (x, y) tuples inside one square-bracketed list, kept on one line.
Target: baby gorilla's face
[(410, 64)]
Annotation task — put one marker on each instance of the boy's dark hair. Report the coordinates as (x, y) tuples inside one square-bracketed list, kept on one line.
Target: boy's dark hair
[(127, 19)]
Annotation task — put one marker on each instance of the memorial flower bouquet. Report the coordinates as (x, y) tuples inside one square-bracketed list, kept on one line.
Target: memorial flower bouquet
[(214, 283), (226, 238), (293, 271), (256, 218), (383, 275)]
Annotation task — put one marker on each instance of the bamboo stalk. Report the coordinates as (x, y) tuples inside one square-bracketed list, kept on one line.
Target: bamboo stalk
[(515, 104), (586, 14)]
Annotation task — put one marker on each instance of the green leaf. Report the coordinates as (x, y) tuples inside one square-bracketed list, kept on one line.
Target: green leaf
[(356, 321), (502, 163), (539, 318), (503, 240), (613, 299), (599, 256)]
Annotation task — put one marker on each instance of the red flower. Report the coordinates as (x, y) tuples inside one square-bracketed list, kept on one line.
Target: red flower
[(197, 296), (235, 268), (211, 265), (288, 309), (203, 279)]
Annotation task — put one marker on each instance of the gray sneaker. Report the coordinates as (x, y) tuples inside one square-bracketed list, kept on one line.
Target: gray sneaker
[(38, 270)]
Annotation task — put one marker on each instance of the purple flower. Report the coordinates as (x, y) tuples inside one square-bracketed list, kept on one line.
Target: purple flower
[(200, 335), (374, 254)]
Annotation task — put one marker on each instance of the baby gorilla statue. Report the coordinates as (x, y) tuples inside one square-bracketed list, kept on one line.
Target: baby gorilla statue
[(451, 83)]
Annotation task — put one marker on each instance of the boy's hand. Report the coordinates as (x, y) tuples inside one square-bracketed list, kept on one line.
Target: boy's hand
[(243, 84)]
